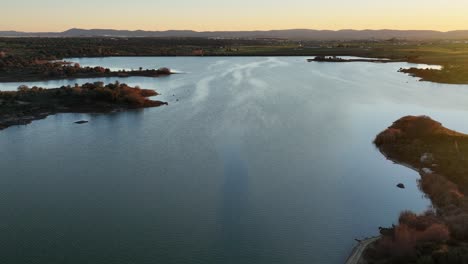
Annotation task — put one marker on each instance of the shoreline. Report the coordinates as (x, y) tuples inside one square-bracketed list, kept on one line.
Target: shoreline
[(430, 75), (436, 153), (414, 72), (29, 104), (22, 120), (23, 53), (20, 78), (357, 253)]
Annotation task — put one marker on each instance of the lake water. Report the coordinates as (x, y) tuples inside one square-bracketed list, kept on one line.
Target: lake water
[(255, 160)]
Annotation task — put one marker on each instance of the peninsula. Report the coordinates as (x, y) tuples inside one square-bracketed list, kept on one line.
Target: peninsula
[(26, 104), (440, 156), (20, 69)]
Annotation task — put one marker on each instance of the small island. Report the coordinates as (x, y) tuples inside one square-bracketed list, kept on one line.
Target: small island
[(26, 104), (338, 59), (440, 155)]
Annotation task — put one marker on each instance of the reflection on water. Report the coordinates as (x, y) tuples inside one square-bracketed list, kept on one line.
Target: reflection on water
[(255, 160), (233, 234)]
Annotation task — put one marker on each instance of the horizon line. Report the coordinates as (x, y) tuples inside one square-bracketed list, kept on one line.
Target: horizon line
[(247, 30)]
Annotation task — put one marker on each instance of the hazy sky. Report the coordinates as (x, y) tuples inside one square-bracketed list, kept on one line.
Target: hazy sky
[(59, 15)]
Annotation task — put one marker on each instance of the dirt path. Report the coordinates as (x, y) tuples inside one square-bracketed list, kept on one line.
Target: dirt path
[(357, 252)]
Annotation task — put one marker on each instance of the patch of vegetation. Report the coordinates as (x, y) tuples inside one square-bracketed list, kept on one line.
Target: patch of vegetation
[(440, 155), (14, 69), (456, 74), (412, 138), (28, 104)]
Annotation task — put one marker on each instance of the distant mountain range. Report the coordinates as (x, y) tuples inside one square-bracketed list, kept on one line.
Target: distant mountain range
[(293, 34)]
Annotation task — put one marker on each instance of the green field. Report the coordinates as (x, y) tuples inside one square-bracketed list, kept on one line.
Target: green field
[(452, 55)]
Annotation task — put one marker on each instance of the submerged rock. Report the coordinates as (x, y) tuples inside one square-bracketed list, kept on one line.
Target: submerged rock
[(81, 122)]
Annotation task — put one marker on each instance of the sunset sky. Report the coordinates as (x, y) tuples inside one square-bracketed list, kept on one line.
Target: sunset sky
[(201, 15)]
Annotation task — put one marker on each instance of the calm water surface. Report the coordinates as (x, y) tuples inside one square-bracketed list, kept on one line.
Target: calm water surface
[(261, 160)]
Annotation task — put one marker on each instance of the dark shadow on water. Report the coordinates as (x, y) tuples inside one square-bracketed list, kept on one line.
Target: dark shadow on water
[(233, 243)]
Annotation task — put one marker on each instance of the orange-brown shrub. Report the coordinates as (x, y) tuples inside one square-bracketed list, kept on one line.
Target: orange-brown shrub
[(413, 230), (441, 191), (388, 136)]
